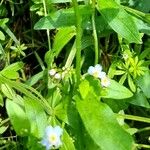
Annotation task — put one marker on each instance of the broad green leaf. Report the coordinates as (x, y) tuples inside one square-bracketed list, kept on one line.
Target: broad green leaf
[(84, 85), (140, 99), (116, 91), (17, 117), (101, 124), (59, 19), (67, 113), (119, 20), (56, 20), (2, 36), (63, 36), (67, 142), (144, 83), (36, 116)]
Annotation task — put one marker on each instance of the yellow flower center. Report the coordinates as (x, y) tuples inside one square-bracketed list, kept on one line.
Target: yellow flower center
[(105, 80), (52, 138), (95, 74)]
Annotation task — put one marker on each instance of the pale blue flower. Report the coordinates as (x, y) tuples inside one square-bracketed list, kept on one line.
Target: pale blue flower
[(52, 137), (96, 71)]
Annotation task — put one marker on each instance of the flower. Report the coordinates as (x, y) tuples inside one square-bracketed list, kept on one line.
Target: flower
[(105, 81), (52, 137), (52, 72), (57, 76), (96, 71)]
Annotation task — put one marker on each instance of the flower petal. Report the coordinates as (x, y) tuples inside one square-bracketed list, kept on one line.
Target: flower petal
[(102, 75), (98, 67), (91, 70), (58, 130)]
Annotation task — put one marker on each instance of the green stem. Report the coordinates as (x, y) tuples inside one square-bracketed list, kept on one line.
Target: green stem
[(94, 33), (142, 146), (144, 129), (135, 118), (78, 39), (47, 31)]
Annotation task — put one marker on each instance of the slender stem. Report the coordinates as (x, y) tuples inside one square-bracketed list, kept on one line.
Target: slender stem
[(135, 118), (78, 39), (144, 129), (142, 146), (47, 31), (94, 33)]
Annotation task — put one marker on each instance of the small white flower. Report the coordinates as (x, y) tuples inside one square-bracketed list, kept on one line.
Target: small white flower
[(52, 137), (102, 74), (105, 81), (52, 72), (125, 56), (95, 71), (57, 76)]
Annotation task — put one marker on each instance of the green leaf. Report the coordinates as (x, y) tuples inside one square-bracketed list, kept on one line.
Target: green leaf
[(3, 129), (101, 124), (119, 20), (7, 91), (34, 79), (144, 83), (11, 70), (63, 1), (59, 19), (1, 100), (63, 36), (56, 20), (84, 85), (3, 21), (36, 116), (67, 142), (116, 91), (131, 83), (2, 36), (139, 99), (17, 117)]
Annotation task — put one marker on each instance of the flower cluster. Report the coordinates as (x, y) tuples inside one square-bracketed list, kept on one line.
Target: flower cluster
[(97, 72), (58, 73), (52, 137), (54, 73)]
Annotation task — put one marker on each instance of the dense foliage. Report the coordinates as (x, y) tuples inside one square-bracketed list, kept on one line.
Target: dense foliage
[(74, 74)]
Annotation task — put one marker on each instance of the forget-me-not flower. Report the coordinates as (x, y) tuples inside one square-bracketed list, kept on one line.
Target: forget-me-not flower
[(96, 71), (105, 81), (52, 137)]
